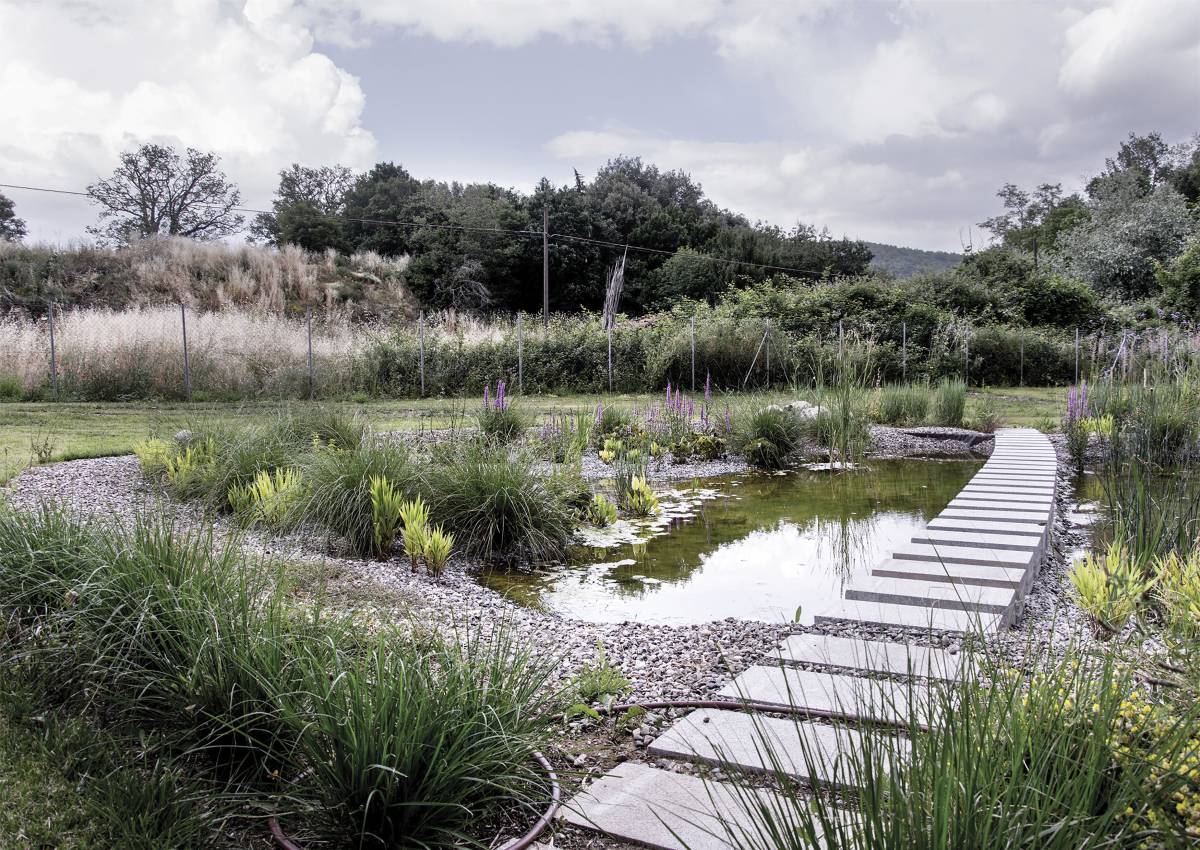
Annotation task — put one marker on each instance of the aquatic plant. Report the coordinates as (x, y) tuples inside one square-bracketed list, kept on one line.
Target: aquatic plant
[(1109, 587), (387, 505), (949, 403), (903, 404), (499, 419), (268, 500), (601, 512), (640, 500), (414, 516)]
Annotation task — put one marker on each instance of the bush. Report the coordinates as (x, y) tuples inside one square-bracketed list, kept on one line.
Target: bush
[(339, 489), (949, 403), (903, 404), (500, 507), (768, 436)]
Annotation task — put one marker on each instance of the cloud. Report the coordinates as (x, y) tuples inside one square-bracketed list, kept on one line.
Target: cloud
[(82, 81)]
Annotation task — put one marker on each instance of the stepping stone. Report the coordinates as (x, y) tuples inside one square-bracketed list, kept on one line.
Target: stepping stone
[(871, 655), (979, 539), (1024, 478), (851, 697), (987, 526), (952, 573), (996, 515), (930, 594), (964, 555), (909, 616), (992, 487), (661, 809), (1023, 499), (798, 748)]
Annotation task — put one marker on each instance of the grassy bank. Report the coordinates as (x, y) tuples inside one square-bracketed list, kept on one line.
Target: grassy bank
[(49, 432)]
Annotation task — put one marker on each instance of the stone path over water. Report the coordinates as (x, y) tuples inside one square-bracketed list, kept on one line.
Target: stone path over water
[(967, 572)]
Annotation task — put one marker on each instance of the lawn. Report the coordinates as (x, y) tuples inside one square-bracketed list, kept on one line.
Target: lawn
[(50, 432)]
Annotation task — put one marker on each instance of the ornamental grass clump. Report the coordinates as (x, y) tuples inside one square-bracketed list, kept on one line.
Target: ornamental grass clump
[(499, 419), (769, 436), (438, 546), (903, 404), (949, 403)]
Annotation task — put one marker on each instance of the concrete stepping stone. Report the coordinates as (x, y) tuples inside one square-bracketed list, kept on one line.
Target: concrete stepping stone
[(661, 809), (1028, 499), (964, 555), (984, 525), (851, 697), (874, 656), (931, 594), (979, 539), (990, 487), (909, 616), (995, 515), (799, 748), (951, 573)]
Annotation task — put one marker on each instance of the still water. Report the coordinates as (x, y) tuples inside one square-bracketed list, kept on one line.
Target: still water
[(753, 546)]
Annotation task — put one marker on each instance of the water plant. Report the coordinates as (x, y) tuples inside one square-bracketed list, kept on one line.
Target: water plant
[(438, 545), (153, 455), (640, 501), (1110, 587), (601, 512), (387, 506), (903, 404), (949, 403), (768, 436), (414, 514), (186, 471), (1074, 425)]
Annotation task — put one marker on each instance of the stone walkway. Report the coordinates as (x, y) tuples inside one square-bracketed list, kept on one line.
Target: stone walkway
[(968, 571)]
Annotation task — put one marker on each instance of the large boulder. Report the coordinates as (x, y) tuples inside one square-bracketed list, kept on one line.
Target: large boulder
[(799, 408)]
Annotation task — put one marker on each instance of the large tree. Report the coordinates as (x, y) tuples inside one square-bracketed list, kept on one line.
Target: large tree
[(156, 191), (1034, 220), (11, 227), (308, 208)]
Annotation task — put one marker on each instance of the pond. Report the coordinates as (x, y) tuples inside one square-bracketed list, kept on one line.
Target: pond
[(752, 546)]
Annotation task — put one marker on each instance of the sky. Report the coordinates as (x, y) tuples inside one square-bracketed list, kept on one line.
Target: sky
[(886, 121)]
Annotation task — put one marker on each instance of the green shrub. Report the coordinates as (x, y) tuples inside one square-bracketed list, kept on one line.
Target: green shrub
[(768, 436), (949, 402), (903, 404), (500, 507), (339, 489), (11, 388)]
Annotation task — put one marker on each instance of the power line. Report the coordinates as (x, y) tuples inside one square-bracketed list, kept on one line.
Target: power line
[(469, 229)]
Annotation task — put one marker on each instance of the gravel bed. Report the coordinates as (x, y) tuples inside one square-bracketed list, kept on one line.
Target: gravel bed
[(930, 442)]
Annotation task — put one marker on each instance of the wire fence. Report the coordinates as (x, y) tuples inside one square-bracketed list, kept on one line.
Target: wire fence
[(175, 352)]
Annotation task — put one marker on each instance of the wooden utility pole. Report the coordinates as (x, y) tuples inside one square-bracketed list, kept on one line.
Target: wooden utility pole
[(546, 266)]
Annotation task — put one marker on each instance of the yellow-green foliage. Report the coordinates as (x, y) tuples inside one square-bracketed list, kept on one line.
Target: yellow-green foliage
[(415, 516), (1109, 586), (438, 545), (186, 469), (640, 500), (268, 499), (153, 455), (1100, 425), (601, 512), (1178, 588), (386, 504)]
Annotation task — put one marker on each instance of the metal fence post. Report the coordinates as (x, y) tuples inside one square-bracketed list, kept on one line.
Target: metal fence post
[(692, 329), (421, 349), (311, 381), (904, 352), (187, 363), (1021, 378), (610, 381), (967, 358), (520, 354), (53, 352), (1077, 354), (768, 354)]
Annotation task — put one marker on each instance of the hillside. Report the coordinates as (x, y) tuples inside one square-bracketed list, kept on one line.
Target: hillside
[(906, 262)]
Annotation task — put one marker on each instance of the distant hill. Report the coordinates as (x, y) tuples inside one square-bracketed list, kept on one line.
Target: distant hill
[(906, 262)]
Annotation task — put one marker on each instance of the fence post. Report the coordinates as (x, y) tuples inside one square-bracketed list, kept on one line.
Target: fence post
[(904, 352), (421, 349), (53, 351), (967, 358), (520, 354), (1021, 374), (1077, 355), (308, 326), (610, 384), (768, 354), (692, 328), (187, 363), (841, 341)]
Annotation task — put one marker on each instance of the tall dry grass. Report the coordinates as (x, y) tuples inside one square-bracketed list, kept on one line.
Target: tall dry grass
[(107, 354)]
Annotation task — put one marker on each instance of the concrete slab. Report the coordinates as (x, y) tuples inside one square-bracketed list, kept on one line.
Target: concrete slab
[(930, 594), (951, 573), (984, 526), (980, 539), (909, 616), (1040, 501), (816, 752), (988, 515), (659, 808), (871, 655), (995, 487), (851, 697), (964, 555)]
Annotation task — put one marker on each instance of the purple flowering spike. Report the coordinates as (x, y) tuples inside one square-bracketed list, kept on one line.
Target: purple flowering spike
[(691, 409)]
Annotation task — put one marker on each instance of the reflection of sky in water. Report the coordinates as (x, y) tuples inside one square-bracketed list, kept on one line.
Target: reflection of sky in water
[(763, 547)]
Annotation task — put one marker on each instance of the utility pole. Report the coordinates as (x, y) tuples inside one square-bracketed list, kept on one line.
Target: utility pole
[(546, 266)]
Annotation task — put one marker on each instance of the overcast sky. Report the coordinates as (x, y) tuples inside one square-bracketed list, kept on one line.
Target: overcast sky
[(889, 121)]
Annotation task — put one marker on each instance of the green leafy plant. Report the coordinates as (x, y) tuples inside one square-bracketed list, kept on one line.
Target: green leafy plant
[(599, 681), (601, 512), (387, 505), (1109, 587), (186, 471), (269, 500), (438, 545), (640, 501), (414, 514), (153, 455)]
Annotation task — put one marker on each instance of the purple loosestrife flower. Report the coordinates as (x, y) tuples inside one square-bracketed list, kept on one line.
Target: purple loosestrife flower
[(678, 402), (691, 410)]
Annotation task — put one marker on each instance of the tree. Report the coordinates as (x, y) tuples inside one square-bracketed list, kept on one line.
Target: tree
[(1130, 230), (1180, 281), (155, 191), (308, 209), (11, 227), (1034, 219)]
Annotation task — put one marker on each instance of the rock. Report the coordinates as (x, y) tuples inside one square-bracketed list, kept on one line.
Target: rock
[(799, 408), (183, 437)]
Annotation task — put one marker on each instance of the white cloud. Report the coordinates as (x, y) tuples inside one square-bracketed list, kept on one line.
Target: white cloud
[(82, 81)]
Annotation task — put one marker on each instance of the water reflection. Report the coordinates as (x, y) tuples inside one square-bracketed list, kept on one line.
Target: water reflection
[(750, 546)]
